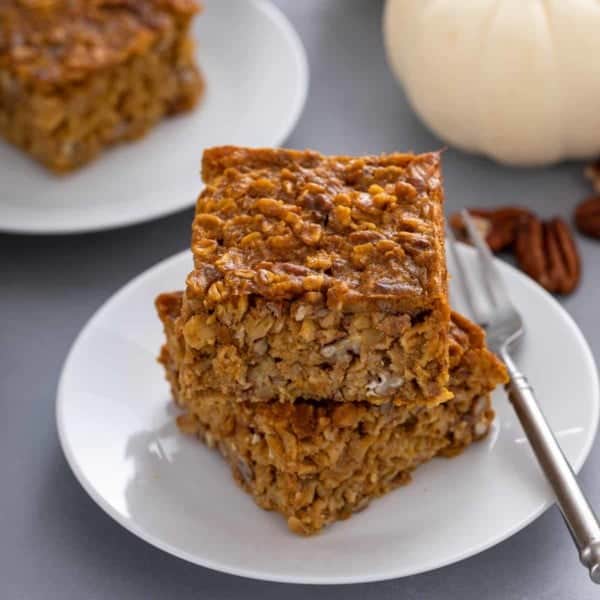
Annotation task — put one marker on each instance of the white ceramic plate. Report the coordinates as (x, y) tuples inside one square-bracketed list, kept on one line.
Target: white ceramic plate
[(116, 427), (257, 79)]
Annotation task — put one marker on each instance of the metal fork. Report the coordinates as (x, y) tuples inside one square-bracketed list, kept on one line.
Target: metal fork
[(504, 327)]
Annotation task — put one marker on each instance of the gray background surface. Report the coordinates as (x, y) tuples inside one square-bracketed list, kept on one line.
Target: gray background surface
[(56, 543)]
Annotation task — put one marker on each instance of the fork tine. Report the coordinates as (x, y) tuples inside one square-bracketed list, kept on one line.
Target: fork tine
[(492, 279), (461, 276)]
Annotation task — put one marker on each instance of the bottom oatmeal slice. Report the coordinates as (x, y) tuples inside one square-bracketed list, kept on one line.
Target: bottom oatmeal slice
[(318, 462)]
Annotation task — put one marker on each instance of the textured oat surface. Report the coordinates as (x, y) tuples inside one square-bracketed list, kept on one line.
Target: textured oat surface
[(282, 223), (317, 462)]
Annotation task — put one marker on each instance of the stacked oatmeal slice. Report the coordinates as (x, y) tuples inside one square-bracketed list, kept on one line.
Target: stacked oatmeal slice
[(314, 345)]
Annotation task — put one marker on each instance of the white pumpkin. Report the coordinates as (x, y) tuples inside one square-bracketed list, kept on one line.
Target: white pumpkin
[(517, 80)]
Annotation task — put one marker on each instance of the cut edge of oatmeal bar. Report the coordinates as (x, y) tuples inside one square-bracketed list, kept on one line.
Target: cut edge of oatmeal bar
[(263, 350), (322, 462), (318, 462)]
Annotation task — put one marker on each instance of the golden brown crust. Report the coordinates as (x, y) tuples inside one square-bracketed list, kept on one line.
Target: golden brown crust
[(168, 305), (285, 223), (54, 42)]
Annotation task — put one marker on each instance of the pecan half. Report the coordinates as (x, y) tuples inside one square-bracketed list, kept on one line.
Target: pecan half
[(592, 172), (563, 256), (587, 217), (499, 226), (530, 251), (547, 252)]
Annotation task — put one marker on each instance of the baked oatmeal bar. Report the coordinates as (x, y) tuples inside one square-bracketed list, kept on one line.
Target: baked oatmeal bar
[(79, 75), (318, 462), (317, 277)]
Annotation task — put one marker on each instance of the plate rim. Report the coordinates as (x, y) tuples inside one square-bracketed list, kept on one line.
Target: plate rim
[(281, 21), (249, 573)]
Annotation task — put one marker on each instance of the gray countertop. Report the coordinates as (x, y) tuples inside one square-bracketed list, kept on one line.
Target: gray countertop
[(56, 543)]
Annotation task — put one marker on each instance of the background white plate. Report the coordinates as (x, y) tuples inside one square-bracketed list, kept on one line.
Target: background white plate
[(116, 427), (257, 78)]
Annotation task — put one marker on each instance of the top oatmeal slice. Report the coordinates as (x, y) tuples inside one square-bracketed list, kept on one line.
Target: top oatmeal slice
[(281, 223), (318, 278)]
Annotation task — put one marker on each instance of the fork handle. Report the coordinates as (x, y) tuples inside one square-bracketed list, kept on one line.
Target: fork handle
[(576, 510)]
